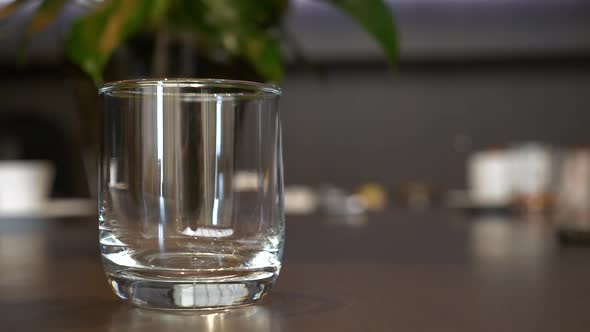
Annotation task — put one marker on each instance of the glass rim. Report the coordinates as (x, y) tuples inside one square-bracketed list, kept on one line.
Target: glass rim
[(249, 88)]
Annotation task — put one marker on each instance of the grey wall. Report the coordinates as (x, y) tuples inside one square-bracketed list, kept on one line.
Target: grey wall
[(357, 125), (430, 29)]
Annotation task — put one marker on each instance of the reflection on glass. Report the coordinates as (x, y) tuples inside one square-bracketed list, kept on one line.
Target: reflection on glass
[(499, 245), (208, 295), (502, 240), (23, 254), (249, 318)]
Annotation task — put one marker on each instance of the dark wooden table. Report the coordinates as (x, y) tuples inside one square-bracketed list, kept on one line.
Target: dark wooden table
[(390, 272)]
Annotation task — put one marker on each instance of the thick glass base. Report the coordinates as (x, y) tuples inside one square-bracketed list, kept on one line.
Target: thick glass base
[(189, 290)]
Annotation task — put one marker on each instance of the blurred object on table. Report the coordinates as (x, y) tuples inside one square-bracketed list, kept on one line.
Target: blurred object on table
[(335, 201), (25, 185), (300, 200), (31, 135), (533, 172), (373, 196), (489, 178), (522, 177), (37, 170), (573, 197), (417, 196), (339, 202)]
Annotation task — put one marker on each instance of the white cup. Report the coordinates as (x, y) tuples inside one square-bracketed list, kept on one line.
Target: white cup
[(25, 185), (489, 178)]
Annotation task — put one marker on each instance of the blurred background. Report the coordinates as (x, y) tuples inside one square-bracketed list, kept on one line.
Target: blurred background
[(485, 108)]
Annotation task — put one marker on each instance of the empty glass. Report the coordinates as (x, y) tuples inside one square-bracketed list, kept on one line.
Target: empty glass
[(191, 191)]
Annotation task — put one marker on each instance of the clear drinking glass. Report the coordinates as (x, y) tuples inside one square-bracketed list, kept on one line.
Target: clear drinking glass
[(191, 191)]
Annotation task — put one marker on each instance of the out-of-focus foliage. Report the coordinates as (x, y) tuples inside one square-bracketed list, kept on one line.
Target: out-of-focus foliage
[(376, 18), (244, 29)]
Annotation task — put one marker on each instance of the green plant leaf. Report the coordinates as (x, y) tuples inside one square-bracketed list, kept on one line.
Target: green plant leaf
[(377, 20), (259, 48), (159, 11), (263, 52), (94, 38), (242, 28), (10, 8)]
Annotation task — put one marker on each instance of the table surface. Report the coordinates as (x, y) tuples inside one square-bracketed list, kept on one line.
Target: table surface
[(395, 271)]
